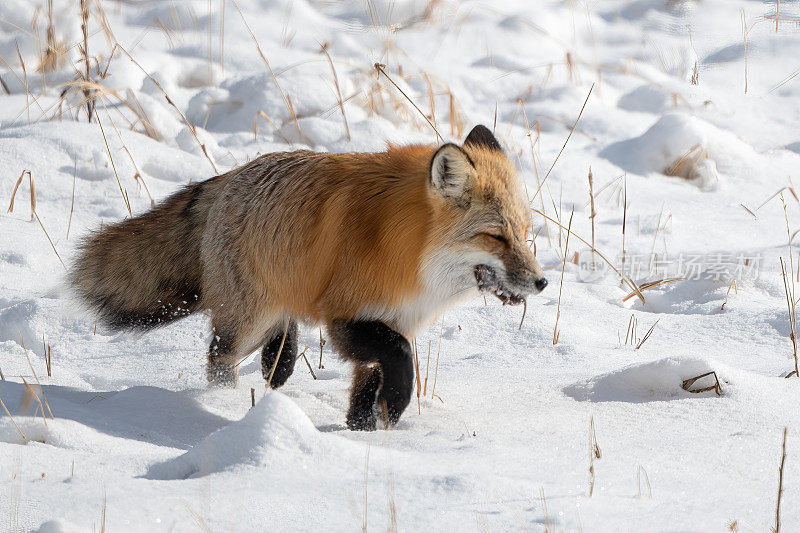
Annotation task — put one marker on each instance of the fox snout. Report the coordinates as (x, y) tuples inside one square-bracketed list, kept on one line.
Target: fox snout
[(518, 277)]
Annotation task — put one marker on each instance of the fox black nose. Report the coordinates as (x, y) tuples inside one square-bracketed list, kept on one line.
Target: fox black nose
[(541, 283)]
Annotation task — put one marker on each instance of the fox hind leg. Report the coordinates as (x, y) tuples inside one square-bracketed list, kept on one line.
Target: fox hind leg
[(222, 358), (365, 342), (286, 358)]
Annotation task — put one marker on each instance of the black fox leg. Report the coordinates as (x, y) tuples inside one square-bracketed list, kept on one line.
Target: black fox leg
[(366, 342), (221, 366), (288, 354), (366, 383)]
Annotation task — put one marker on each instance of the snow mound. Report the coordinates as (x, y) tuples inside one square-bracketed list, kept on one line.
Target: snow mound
[(688, 297), (15, 323), (57, 526), (273, 432), (646, 99), (646, 382), (237, 102), (676, 145)]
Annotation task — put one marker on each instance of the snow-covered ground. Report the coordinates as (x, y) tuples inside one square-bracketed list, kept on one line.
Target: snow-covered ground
[(138, 442)]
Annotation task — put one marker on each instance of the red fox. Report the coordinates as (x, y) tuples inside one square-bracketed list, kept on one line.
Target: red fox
[(373, 245)]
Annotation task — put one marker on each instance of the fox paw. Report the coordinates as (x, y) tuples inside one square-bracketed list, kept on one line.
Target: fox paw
[(222, 375), (361, 420)]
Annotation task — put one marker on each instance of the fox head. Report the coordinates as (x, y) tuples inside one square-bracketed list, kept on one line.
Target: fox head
[(489, 234)]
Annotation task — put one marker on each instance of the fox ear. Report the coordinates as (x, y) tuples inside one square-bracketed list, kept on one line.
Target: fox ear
[(480, 136), (451, 171)]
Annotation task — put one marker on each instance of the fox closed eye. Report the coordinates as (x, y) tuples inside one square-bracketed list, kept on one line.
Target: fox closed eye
[(498, 237)]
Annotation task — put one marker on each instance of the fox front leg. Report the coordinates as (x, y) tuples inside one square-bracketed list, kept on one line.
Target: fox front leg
[(384, 371)]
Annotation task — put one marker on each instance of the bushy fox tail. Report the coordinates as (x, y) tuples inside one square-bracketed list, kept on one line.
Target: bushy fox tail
[(146, 271)]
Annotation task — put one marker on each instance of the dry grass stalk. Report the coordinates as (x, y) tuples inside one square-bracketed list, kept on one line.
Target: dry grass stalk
[(416, 371), (198, 520), (252, 397), (275, 130), (746, 209), (431, 97), (556, 333), (167, 33), (731, 286), (456, 122), (624, 217), (36, 377), (716, 387), (789, 289), (570, 67), (777, 527), (55, 52), (303, 355), (544, 510), (100, 14), (684, 166), (338, 91), (438, 350), (321, 345), (285, 98), (103, 515), (210, 48), (639, 473), (532, 143), (775, 87), (366, 480), (646, 335), (790, 304), (392, 527), (48, 361), (24, 438), (592, 211), (381, 69), (137, 176), (50, 241), (222, 36), (32, 186), (25, 83), (84, 50), (114, 168), (35, 396), (744, 38), (594, 453), (615, 181), (655, 235), (524, 312), (133, 103), (427, 369), (652, 285), (630, 333), (72, 203), (627, 280), (47, 356), (280, 351), (574, 125), (779, 193)]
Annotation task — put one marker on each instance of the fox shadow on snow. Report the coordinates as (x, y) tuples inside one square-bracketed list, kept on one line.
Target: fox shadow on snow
[(148, 414)]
